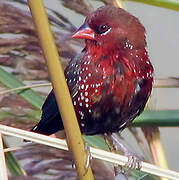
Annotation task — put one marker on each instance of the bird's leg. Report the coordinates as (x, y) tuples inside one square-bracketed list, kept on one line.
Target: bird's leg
[(115, 144), (133, 161), (112, 148), (89, 157)]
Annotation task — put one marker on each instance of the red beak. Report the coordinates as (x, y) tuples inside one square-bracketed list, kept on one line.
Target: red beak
[(84, 32)]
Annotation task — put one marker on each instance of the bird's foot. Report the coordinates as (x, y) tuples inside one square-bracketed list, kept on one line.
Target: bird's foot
[(133, 162), (73, 164), (88, 159), (120, 173)]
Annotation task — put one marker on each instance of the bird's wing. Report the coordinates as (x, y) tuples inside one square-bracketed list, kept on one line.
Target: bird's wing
[(51, 121), (72, 73)]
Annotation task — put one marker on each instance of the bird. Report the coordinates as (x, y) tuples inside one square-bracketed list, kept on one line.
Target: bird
[(110, 81)]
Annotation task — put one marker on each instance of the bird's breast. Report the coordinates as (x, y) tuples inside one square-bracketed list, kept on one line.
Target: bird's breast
[(105, 89)]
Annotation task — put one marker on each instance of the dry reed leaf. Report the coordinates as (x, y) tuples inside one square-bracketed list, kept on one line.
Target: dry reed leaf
[(59, 161), (23, 51), (80, 6)]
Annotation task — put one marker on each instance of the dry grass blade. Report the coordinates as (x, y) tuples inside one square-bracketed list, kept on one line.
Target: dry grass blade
[(24, 87), (3, 171), (96, 153), (22, 51), (117, 3), (152, 135), (12, 149), (80, 6), (171, 82)]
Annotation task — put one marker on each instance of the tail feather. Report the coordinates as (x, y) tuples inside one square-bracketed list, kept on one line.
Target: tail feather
[(51, 121)]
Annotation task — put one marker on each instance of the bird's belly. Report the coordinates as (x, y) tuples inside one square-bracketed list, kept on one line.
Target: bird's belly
[(100, 111)]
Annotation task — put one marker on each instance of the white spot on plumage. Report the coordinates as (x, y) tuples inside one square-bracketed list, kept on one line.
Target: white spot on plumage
[(82, 86), (99, 84), (86, 100), (82, 115), (87, 105), (89, 74), (130, 46), (86, 93), (86, 87), (81, 104), (74, 103)]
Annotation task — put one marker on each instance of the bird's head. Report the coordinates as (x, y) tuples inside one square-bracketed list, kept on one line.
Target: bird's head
[(112, 28)]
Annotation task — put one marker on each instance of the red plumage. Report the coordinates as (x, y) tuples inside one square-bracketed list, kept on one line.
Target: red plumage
[(111, 80)]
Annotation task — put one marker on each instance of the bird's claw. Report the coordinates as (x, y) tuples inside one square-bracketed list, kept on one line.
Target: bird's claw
[(89, 157), (133, 162), (73, 164)]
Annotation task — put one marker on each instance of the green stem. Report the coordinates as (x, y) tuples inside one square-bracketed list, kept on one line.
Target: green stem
[(160, 118), (170, 4)]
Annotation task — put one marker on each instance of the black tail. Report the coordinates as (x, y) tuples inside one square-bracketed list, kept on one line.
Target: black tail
[(51, 121)]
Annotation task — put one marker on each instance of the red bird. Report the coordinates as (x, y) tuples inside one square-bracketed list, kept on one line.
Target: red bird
[(110, 81)]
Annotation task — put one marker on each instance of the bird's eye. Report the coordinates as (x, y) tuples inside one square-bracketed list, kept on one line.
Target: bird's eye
[(102, 28)]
